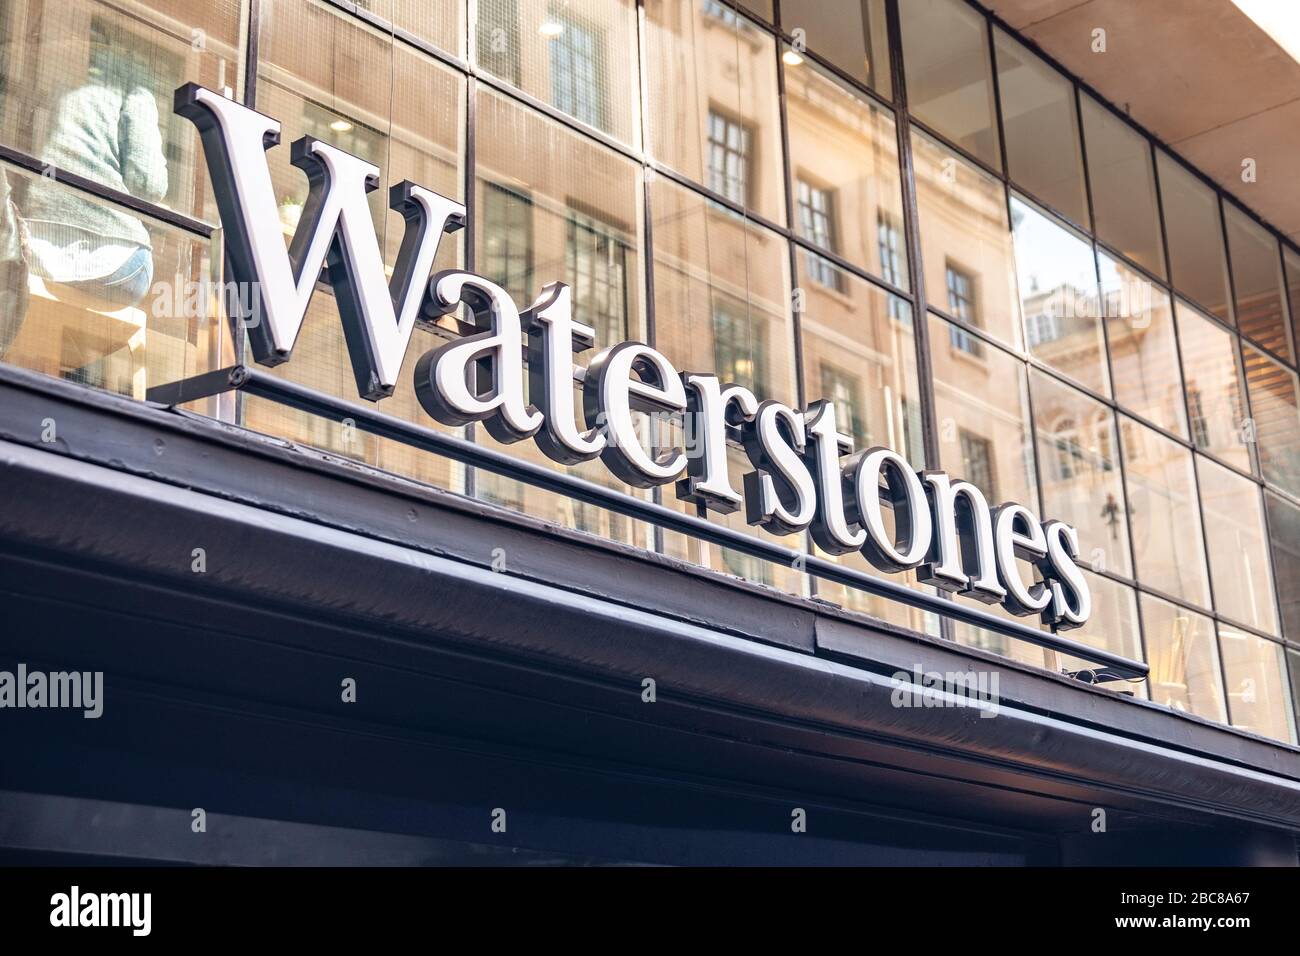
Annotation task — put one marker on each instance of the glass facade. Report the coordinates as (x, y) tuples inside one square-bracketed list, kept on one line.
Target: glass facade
[(897, 206)]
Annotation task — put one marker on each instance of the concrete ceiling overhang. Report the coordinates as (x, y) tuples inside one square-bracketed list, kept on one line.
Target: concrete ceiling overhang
[(1198, 74)]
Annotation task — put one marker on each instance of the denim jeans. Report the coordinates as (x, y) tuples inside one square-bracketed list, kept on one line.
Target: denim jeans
[(124, 288)]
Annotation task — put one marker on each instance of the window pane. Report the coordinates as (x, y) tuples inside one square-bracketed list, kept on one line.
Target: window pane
[(1112, 627), (859, 352), (1058, 295), (1143, 347), (1123, 186), (981, 399), (1197, 266), (560, 509), (729, 560), (1216, 391), (1257, 282), (1291, 269), (316, 76), (1284, 537), (949, 80), (1004, 646), (844, 160), (87, 87), (158, 324), (555, 205), (1238, 550), (1258, 692), (713, 111), (849, 33), (1184, 658), (441, 22), (1293, 665), (579, 56), (721, 287), (1077, 449), (1164, 516), (964, 234), (1042, 129), (1275, 419)]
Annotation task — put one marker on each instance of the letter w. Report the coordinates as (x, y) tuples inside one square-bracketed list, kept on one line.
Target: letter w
[(335, 229)]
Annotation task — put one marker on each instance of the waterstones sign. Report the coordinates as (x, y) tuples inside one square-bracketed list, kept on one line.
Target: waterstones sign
[(805, 473)]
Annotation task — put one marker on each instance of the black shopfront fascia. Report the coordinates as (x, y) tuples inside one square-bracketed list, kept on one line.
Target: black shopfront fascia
[(519, 689)]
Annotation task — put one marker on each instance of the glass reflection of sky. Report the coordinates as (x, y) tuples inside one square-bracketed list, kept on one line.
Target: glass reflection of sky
[(1049, 256)]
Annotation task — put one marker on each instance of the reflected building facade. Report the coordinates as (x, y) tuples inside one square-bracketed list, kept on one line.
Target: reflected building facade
[(899, 207)]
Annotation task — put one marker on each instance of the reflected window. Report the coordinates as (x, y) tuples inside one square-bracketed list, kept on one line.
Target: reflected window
[(1198, 265), (1183, 654), (1216, 391), (507, 258), (888, 245), (739, 347), (597, 266), (961, 305), (815, 222), (1042, 129), (575, 85), (1164, 515), (1257, 282), (817, 225), (1042, 327), (1123, 186), (949, 76), (977, 463), (961, 294), (728, 157), (844, 389)]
